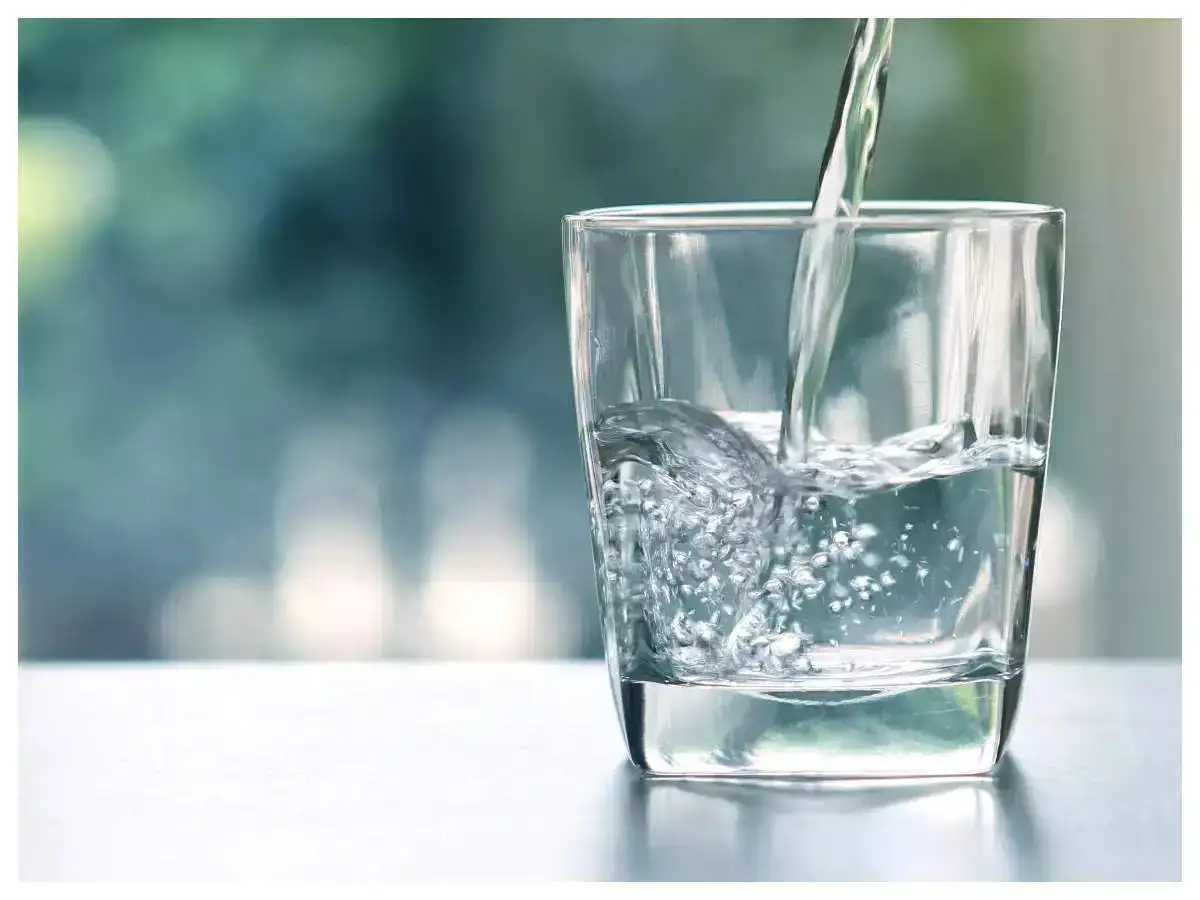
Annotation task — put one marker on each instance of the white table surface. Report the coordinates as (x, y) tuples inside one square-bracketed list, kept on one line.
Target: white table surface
[(496, 771)]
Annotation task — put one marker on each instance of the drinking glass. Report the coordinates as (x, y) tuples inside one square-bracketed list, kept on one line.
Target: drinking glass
[(815, 510)]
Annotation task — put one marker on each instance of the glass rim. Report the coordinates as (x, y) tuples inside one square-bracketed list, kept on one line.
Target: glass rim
[(874, 214)]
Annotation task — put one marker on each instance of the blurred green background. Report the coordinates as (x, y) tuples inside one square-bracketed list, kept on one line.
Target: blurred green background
[(293, 365)]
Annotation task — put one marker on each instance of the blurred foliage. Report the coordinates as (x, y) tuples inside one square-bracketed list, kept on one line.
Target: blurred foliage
[(229, 228)]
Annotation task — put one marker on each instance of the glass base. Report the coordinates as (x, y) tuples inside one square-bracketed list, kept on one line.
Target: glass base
[(948, 729)]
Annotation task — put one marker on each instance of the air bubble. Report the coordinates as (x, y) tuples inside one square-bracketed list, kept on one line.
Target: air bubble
[(804, 576), (865, 531), (786, 644)]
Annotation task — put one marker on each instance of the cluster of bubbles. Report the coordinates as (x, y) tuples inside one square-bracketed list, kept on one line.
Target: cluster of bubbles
[(717, 564)]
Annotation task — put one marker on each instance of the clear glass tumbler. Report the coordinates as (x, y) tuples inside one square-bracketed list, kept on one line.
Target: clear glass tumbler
[(841, 591)]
